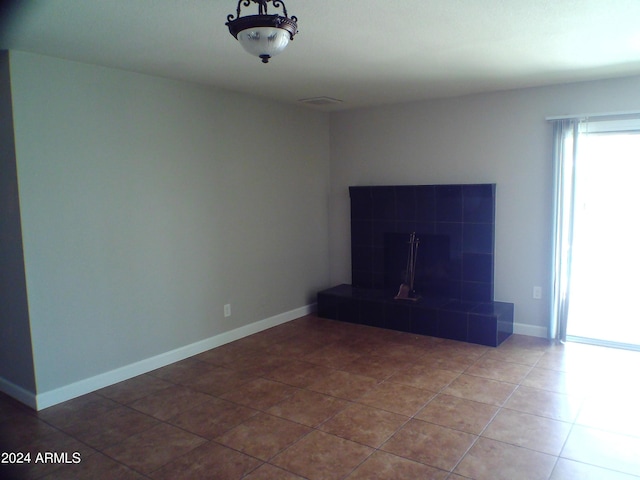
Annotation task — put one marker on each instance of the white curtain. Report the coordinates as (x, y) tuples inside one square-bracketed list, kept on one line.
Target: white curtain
[(565, 138)]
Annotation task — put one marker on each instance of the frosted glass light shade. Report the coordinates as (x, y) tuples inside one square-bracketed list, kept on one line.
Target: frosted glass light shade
[(264, 42)]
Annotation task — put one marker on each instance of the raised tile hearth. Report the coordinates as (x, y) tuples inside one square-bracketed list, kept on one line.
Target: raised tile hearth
[(484, 323)]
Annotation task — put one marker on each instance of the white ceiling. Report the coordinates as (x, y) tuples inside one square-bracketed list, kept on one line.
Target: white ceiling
[(361, 52)]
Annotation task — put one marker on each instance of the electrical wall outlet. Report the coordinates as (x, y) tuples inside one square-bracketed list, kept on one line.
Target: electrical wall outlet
[(227, 310), (537, 293)]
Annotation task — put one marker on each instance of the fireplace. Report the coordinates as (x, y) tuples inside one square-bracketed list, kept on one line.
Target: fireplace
[(454, 274), (461, 215)]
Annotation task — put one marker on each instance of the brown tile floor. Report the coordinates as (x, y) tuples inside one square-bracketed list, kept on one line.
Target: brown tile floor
[(319, 399)]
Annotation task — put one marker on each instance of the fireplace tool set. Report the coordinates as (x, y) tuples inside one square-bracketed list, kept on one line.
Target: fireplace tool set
[(406, 291)]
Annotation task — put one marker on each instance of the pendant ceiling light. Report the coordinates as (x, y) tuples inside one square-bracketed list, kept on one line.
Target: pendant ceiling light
[(263, 35)]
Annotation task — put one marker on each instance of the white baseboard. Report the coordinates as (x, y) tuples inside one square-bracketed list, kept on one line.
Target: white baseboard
[(82, 387), (530, 330), (19, 393), (53, 397)]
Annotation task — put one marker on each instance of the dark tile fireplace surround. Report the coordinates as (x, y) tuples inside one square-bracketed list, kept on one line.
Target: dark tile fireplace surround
[(454, 268)]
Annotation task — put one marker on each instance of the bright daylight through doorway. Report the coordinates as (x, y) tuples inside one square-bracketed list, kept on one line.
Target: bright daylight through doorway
[(604, 287)]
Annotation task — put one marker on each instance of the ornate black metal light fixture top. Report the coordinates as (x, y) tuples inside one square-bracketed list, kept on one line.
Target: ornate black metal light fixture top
[(263, 35)]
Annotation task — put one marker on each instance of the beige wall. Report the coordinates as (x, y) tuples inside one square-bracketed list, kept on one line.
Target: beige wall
[(497, 137)]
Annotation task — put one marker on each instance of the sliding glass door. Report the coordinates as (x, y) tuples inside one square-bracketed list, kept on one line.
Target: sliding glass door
[(604, 280)]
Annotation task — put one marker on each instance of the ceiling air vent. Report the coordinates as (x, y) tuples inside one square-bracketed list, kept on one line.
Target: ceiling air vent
[(320, 101)]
